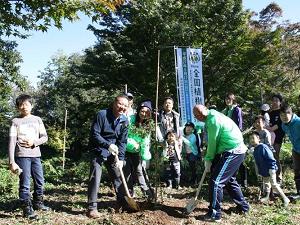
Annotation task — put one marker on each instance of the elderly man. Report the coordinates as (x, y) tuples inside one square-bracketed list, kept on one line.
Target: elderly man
[(225, 153), (108, 138)]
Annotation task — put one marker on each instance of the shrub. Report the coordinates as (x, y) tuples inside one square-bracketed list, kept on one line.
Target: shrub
[(53, 171), (8, 182)]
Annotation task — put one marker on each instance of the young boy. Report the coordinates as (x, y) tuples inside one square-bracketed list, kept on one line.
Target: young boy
[(26, 134), (264, 134), (267, 166), (191, 145), (173, 154)]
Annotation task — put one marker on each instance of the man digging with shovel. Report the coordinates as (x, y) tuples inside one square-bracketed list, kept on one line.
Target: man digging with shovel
[(225, 153), (108, 140)]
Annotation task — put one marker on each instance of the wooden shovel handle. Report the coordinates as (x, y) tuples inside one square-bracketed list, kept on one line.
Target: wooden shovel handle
[(123, 178), (200, 184)]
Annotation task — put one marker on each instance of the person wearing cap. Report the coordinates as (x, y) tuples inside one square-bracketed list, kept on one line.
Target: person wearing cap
[(138, 148), (192, 147), (264, 111), (130, 110), (275, 126), (225, 153)]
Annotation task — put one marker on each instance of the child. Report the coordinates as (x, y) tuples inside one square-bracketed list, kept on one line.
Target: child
[(264, 134), (264, 112), (173, 155), (26, 133), (267, 166), (191, 145)]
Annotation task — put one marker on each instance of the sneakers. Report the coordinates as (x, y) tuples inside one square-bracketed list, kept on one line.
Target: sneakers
[(93, 214), (207, 217), (294, 198)]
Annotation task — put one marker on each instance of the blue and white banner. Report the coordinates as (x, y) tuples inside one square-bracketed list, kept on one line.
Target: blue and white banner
[(189, 81)]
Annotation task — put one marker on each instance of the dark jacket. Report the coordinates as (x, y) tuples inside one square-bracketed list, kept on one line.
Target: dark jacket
[(236, 116), (106, 131), (264, 159), (162, 123)]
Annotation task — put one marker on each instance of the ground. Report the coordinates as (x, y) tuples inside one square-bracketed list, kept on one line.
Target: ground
[(68, 203)]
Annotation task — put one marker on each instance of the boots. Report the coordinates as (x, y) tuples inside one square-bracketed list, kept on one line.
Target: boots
[(28, 211), (286, 201), (38, 204)]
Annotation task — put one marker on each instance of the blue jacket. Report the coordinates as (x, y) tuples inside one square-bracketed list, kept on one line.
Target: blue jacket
[(292, 129), (264, 159), (107, 130)]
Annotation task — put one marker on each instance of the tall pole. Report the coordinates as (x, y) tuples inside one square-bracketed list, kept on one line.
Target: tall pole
[(64, 144), (125, 88), (156, 111)]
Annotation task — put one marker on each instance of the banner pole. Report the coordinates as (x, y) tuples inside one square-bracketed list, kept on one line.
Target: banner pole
[(156, 127), (176, 75)]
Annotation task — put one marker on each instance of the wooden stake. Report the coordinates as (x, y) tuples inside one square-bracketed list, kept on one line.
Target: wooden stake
[(156, 147), (64, 145)]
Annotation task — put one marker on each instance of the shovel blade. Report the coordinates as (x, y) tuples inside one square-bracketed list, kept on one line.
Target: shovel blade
[(132, 204), (191, 205)]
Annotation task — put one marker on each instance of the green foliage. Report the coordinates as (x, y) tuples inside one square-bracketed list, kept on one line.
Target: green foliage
[(62, 87), (56, 138), (53, 171), (286, 152), (9, 182), (41, 14)]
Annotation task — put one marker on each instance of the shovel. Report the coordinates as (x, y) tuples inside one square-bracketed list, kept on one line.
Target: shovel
[(192, 204), (130, 201)]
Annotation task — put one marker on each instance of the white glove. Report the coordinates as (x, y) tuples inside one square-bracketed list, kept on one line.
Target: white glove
[(113, 149), (207, 165), (120, 164)]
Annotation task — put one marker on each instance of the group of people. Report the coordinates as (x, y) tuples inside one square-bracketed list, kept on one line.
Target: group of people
[(120, 139)]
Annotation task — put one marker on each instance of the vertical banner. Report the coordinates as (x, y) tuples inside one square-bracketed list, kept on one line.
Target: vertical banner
[(189, 81)]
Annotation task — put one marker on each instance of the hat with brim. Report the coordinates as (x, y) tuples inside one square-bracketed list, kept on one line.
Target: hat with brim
[(129, 95)]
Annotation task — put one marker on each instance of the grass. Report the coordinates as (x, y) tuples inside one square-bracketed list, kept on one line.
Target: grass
[(66, 194)]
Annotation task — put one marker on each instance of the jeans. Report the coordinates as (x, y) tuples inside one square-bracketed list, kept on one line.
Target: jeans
[(32, 167), (95, 178)]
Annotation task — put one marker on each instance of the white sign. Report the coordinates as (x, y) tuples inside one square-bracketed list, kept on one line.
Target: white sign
[(189, 81)]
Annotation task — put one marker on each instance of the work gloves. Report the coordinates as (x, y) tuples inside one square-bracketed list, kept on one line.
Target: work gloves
[(113, 149)]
